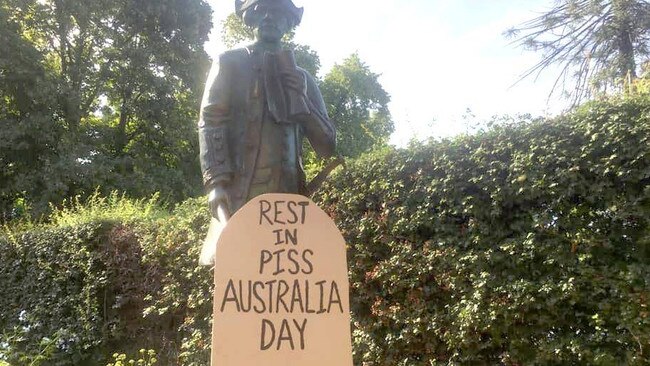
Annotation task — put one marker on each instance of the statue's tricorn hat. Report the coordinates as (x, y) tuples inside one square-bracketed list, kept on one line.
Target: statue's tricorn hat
[(294, 12)]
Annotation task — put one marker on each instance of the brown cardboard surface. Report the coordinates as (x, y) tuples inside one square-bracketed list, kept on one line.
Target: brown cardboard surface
[(281, 303)]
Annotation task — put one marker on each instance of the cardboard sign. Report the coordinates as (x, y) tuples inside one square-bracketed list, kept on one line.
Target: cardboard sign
[(281, 287)]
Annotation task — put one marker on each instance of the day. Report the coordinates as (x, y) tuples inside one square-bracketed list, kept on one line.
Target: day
[(290, 335), (494, 196)]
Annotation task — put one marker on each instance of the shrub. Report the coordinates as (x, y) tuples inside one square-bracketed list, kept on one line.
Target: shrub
[(113, 208), (119, 281), (526, 244), (52, 285)]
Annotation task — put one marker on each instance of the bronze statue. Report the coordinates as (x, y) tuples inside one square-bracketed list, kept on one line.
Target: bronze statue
[(257, 107)]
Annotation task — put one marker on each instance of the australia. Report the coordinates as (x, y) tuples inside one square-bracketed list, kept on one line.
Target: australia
[(280, 296)]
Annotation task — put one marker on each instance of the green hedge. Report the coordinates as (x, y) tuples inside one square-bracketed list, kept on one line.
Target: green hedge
[(526, 244), (77, 294)]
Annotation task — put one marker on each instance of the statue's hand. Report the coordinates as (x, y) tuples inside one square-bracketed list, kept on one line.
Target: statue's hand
[(219, 203), (295, 79)]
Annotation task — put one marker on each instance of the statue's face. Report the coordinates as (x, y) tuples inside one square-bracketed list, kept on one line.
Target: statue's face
[(269, 20)]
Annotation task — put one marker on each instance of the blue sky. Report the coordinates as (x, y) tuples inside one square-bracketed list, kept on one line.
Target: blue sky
[(437, 58)]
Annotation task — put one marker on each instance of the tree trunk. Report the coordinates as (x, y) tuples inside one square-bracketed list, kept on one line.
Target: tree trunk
[(121, 138), (623, 12)]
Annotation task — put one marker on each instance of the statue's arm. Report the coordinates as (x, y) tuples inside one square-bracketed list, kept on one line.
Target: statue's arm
[(317, 126), (214, 120)]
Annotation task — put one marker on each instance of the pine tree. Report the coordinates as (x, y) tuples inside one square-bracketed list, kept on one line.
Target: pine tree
[(600, 44)]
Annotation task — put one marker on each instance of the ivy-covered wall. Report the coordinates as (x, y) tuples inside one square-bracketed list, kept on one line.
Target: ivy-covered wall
[(528, 244)]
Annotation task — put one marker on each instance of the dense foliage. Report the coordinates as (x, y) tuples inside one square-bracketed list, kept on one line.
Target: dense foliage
[(99, 93), (111, 276), (528, 244)]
